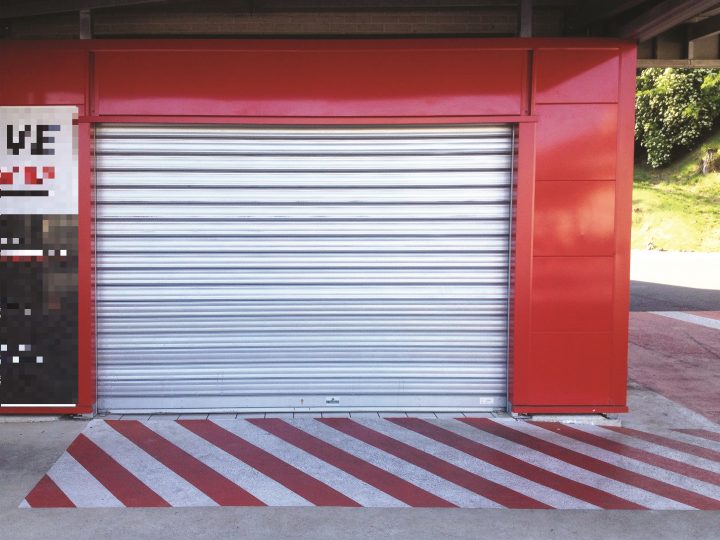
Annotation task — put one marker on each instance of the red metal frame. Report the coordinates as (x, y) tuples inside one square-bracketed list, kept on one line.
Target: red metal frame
[(623, 221), (522, 260), (558, 81), (309, 120), (569, 409)]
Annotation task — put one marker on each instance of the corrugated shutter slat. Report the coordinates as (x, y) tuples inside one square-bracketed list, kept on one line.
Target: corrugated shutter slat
[(283, 268)]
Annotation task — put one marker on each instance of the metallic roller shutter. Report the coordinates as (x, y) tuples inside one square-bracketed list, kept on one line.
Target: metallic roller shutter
[(302, 267)]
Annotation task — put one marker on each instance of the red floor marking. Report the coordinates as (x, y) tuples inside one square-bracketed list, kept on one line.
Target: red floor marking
[(676, 359), (46, 494), (701, 433), (621, 449), (514, 465), (213, 484), (368, 473), (598, 466), (470, 481), (125, 486), (311, 489), (687, 448)]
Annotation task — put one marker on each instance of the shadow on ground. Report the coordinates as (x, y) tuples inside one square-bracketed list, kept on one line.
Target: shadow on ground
[(645, 296)]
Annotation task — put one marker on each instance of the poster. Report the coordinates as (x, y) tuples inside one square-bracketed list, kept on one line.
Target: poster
[(38, 257)]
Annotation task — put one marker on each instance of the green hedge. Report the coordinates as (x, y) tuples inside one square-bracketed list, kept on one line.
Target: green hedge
[(673, 109)]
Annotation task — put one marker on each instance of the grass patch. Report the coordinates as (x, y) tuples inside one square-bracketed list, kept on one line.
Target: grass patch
[(676, 208)]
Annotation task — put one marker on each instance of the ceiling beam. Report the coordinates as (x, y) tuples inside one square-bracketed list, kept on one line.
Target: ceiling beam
[(600, 10), (30, 8), (651, 62), (85, 24), (526, 18), (705, 28), (664, 16), (10, 9)]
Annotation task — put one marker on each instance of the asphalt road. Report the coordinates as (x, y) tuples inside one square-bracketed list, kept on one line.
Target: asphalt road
[(672, 281), (645, 296)]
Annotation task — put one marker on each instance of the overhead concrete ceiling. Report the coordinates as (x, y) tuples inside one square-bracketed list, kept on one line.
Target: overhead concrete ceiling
[(669, 32)]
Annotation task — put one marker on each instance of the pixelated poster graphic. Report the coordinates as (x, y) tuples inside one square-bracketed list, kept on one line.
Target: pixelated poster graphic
[(38, 160), (38, 256)]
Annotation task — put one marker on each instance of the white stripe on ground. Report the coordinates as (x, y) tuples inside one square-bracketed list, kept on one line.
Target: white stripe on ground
[(82, 488), (654, 448), (417, 476), (162, 480), (251, 480), (690, 318), (693, 439), (639, 467), (562, 468), (24, 504), (359, 491), (460, 459)]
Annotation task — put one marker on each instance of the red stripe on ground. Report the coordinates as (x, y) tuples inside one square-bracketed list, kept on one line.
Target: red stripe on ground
[(367, 472), (125, 486), (46, 494), (625, 450), (311, 489), (701, 433), (517, 466), (470, 481), (675, 358), (687, 448), (597, 466), (209, 481)]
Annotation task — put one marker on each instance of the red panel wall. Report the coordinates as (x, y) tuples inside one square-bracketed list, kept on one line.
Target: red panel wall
[(570, 283), (312, 81), (567, 75), (574, 218), (44, 76), (576, 359)]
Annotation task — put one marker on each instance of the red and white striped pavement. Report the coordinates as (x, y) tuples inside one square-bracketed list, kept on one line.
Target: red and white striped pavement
[(382, 462), (677, 355)]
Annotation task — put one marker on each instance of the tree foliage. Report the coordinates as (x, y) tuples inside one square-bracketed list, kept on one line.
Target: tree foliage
[(673, 109)]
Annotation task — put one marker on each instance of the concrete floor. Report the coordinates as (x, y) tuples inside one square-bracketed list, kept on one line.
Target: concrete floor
[(28, 450)]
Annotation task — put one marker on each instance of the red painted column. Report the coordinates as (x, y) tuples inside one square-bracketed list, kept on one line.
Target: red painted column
[(577, 343)]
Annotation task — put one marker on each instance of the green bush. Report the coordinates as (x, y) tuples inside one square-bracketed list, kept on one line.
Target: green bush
[(673, 109)]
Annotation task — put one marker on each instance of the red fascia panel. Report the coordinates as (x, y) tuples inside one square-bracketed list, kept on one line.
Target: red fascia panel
[(322, 82), (569, 409), (43, 77), (308, 120), (577, 75)]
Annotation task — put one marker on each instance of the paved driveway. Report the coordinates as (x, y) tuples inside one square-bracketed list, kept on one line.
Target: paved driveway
[(394, 462), (674, 346)]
